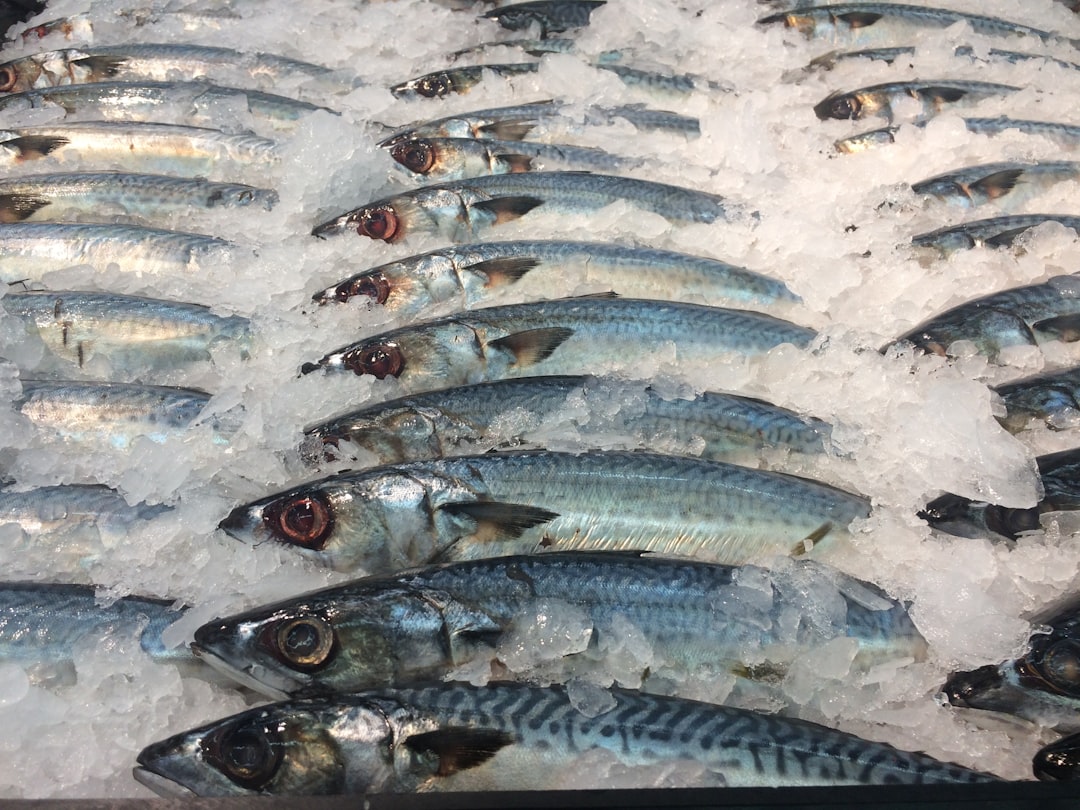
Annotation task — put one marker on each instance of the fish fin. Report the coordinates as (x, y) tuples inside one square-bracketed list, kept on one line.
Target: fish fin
[(997, 184), (603, 294), (504, 271), (946, 94), (518, 163), (17, 207), (1005, 238), (806, 545), (102, 67), (31, 147), (533, 345), (765, 672), (859, 19), (500, 521), (1065, 328), (507, 209), (460, 748), (507, 130)]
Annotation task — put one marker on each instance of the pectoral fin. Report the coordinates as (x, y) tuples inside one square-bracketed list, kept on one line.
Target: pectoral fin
[(859, 19), (458, 749), (102, 67), (533, 345), (943, 94), (504, 271), (507, 209), (1065, 328), (806, 545), (17, 207), (500, 521), (32, 147), (517, 164), (996, 185)]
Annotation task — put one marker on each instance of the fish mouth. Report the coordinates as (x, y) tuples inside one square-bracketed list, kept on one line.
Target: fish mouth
[(1058, 762), (159, 783), (964, 689), (237, 522), (254, 676), (329, 228)]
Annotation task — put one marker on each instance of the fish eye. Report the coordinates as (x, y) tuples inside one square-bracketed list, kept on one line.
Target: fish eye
[(378, 223), (435, 86), (305, 520), (375, 286), (844, 107), (8, 78), (416, 156), (305, 643), (249, 755), (381, 360), (1060, 665)]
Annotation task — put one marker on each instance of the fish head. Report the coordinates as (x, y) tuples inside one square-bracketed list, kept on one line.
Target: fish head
[(374, 521), (963, 517), (372, 285), (1059, 761), (945, 187), (430, 85), (378, 220), (370, 633), (280, 749)]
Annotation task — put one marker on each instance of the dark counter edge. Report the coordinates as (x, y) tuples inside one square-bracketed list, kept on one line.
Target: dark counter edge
[(1004, 796)]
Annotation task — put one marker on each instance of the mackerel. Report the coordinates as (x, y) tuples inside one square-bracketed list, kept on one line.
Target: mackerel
[(1052, 397), (1009, 182)]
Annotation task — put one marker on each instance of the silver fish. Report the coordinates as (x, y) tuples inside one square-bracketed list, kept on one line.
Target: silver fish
[(389, 518), (471, 274), (146, 62), (137, 146), (552, 16), (1022, 316), (112, 414), (829, 60), (562, 336), (441, 159), (513, 737), (865, 23), (458, 81), (882, 99), (466, 207), (31, 249), (1042, 685), (164, 102), (1067, 135), (699, 619), (59, 196), (1052, 397), (1008, 182), (471, 419), (42, 624), (993, 232), (129, 335)]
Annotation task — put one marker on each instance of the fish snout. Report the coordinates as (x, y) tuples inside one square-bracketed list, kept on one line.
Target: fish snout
[(962, 687), (1059, 761), (237, 522)]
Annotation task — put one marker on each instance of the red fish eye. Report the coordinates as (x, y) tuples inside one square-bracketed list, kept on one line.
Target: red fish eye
[(378, 223), (381, 360), (375, 287), (305, 520), (416, 156), (8, 78), (435, 86)]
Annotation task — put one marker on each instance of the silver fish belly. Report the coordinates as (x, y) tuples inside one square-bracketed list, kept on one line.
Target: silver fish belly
[(389, 518), (698, 620), (511, 737)]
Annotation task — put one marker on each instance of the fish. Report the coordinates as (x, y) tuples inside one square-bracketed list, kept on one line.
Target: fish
[(463, 208), (29, 250), (697, 618), (1021, 316), (162, 102), (662, 83), (70, 525), (1042, 685), (1006, 182), (473, 418), (883, 100), (1067, 135), (514, 122), (864, 23), (147, 62), (442, 159), (392, 517), (561, 336), (515, 737), (136, 146), (992, 232), (457, 81), (1052, 397), (114, 414), (471, 274), (124, 336), (59, 196), (829, 60), (1057, 762), (1060, 476), (551, 16), (41, 625)]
